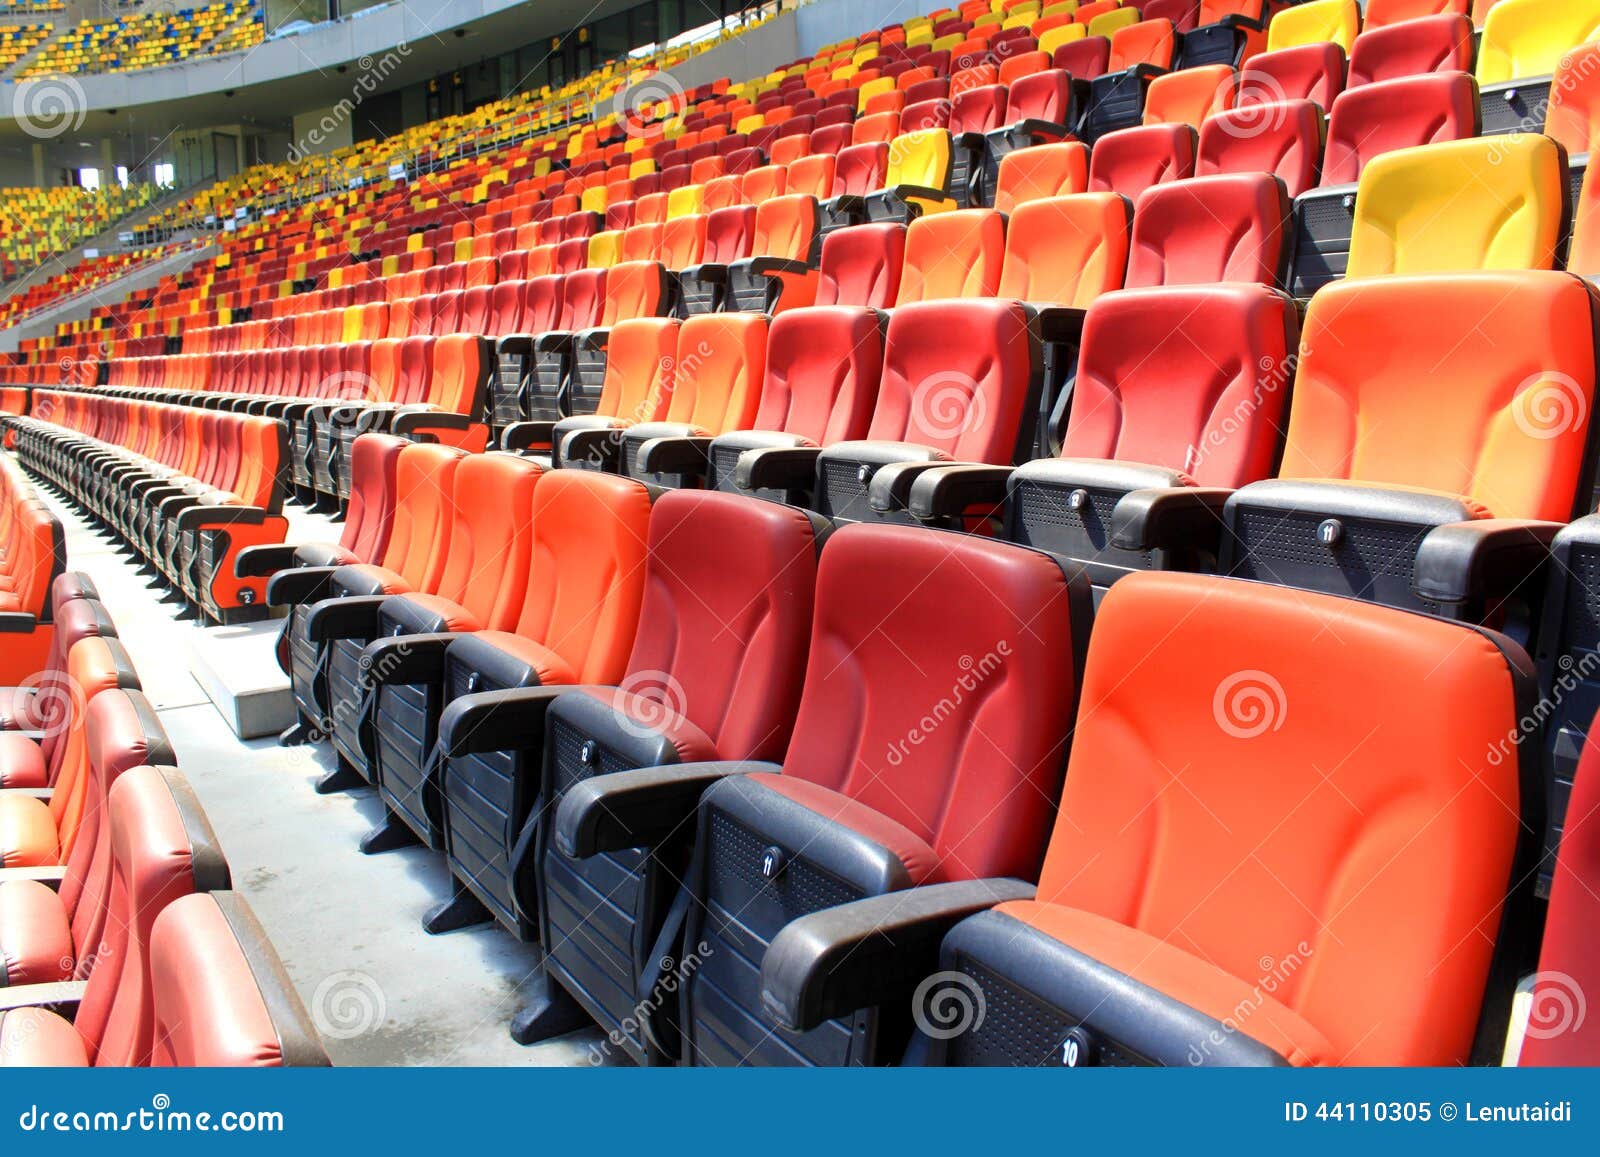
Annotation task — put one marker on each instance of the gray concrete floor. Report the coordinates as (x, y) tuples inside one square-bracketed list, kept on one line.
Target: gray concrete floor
[(347, 926)]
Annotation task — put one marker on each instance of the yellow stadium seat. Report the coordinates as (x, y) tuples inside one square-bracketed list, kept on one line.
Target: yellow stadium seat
[(1483, 203)]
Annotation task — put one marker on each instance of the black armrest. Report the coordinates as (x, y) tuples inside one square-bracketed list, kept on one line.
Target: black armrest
[(856, 955), (777, 468), (640, 808), (947, 491), (169, 506), (1060, 324), (398, 659), (774, 266), (1489, 558), (601, 446), (675, 456), (1152, 518), (1030, 131), (526, 435), (556, 341), (353, 617), (411, 421), (497, 720), (1241, 22), (17, 623), (263, 561), (890, 488), (710, 272), (297, 586), (906, 192), (195, 517)]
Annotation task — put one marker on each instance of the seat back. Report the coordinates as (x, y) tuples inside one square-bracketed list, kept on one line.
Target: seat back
[(1523, 38), (1190, 95), (860, 169), (1208, 229), (822, 372), (487, 564), (786, 227), (1232, 753), (1129, 161), (1558, 1031), (587, 575), (1413, 217), (718, 371), (955, 254), (1397, 114), (1149, 42), (862, 265), (958, 376), (1518, 350), (161, 848), (1048, 170), (1317, 22), (722, 635), (1283, 138), (374, 460), (420, 538), (640, 356), (863, 695), (1066, 250), (1382, 13), (1415, 48), (1143, 396), (1573, 115), (920, 158), (221, 996)]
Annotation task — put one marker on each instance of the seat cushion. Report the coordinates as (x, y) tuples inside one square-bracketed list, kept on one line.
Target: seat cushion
[(28, 837), (21, 761), (1168, 969), (419, 612), (550, 667), (35, 935), (663, 718), (920, 860), (32, 1038)]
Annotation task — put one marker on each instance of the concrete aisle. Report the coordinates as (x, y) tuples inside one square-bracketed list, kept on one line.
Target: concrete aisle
[(382, 991)]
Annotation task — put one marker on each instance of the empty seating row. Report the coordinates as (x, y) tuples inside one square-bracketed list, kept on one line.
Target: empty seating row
[(744, 780), (119, 941), (186, 489), (33, 553)]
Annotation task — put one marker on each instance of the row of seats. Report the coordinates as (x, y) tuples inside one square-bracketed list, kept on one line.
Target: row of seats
[(120, 943), (1057, 252), (140, 40), (762, 672), (32, 553), (186, 489)]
